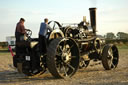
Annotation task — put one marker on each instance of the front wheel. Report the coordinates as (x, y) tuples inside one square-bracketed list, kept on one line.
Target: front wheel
[(110, 56), (63, 57)]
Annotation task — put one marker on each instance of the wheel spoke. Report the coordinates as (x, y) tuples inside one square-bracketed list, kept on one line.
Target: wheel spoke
[(65, 73), (59, 68), (70, 66), (113, 65), (84, 63), (115, 58), (59, 53), (110, 52), (71, 46), (60, 47), (72, 56), (109, 57), (68, 50)]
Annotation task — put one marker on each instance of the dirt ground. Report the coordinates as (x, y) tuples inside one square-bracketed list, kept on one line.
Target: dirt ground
[(94, 74)]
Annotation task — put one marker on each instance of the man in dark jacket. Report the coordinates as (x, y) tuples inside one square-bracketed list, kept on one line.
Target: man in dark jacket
[(44, 27), (20, 30)]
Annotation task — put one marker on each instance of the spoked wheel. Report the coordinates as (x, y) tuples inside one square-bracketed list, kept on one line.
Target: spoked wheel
[(68, 32), (63, 57), (110, 57), (54, 24), (37, 60)]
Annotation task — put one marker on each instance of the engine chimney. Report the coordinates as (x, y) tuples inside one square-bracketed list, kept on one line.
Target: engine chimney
[(93, 19)]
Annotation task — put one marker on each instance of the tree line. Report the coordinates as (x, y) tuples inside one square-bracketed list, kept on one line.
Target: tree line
[(119, 35)]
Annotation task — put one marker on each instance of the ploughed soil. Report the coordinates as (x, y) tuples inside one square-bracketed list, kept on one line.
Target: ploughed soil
[(94, 74)]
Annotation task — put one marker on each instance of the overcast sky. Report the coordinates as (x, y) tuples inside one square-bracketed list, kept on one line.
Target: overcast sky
[(112, 15)]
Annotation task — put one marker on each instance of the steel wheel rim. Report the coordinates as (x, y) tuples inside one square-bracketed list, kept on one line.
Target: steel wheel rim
[(64, 58), (112, 57)]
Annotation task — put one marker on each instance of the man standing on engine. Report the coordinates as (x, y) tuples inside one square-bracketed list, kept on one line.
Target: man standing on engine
[(44, 27), (20, 30)]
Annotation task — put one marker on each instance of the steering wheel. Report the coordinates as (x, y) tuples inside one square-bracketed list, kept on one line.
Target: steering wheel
[(54, 24), (28, 33)]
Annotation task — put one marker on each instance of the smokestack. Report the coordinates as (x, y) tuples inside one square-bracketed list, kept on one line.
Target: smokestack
[(93, 19)]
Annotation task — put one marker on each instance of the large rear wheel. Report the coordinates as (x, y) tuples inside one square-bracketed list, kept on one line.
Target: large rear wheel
[(63, 57)]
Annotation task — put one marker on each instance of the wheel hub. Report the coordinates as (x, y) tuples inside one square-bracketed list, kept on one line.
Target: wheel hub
[(65, 54)]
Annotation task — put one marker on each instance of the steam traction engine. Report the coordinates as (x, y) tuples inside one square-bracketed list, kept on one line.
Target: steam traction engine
[(69, 48)]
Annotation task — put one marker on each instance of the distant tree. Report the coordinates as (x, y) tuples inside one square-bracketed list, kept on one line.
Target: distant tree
[(110, 35), (122, 35)]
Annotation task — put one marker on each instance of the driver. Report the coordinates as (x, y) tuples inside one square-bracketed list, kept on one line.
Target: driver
[(20, 30), (44, 27)]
